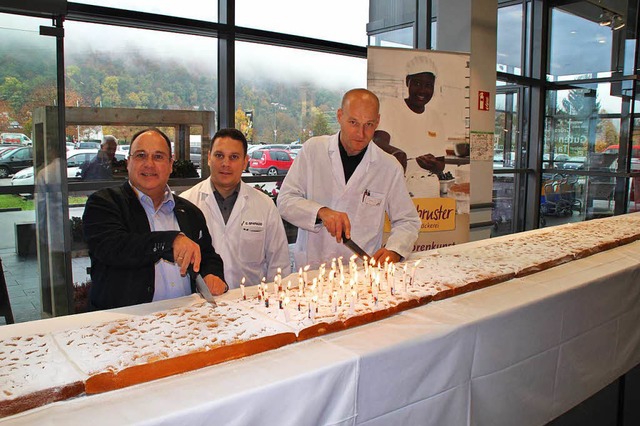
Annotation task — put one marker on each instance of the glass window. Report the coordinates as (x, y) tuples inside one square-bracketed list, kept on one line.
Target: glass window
[(285, 95), (402, 37), (570, 198), (504, 195), (335, 20), (581, 131), (507, 137), (27, 82), (205, 10), (579, 45), (509, 51), (122, 67)]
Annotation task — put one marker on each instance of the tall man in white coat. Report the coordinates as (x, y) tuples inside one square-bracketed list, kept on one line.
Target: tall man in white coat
[(344, 184), (244, 223)]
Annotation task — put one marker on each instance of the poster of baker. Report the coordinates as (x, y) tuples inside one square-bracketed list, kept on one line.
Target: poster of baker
[(424, 123)]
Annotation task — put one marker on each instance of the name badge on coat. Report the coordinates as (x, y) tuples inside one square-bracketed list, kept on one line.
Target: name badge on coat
[(252, 226)]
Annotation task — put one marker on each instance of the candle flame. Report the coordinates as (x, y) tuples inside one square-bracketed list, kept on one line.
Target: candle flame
[(242, 280), (417, 263), (306, 268)]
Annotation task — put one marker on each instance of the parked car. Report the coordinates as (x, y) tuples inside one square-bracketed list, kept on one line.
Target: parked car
[(75, 159), (124, 149), (88, 145), (17, 138), (270, 162), (6, 147), (195, 155), (574, 163), (14, 160)]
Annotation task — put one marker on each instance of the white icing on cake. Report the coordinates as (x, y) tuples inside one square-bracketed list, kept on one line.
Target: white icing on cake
[(32, 363), (116, 345)]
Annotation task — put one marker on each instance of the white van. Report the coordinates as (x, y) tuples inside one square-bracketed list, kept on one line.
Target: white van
[(16, 138)]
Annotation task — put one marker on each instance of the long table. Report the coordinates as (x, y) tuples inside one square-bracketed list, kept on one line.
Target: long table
[(521, 352)]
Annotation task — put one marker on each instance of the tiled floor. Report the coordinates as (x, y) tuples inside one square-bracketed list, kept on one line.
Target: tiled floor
[(23, 283)]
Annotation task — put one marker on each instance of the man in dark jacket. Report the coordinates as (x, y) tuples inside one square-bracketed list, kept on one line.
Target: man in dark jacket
[(142, 239)]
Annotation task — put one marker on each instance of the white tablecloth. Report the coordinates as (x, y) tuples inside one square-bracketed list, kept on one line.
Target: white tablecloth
[(521, 352)]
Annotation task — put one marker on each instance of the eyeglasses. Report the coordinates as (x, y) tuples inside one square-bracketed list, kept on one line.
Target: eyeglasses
[(156, 157)]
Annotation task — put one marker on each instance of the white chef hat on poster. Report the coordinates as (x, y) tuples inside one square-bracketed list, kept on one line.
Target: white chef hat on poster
[(417, 65), (420, 64)]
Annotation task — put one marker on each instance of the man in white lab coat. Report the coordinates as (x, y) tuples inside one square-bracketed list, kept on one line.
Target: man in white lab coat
[(343, 184), (244, 223)]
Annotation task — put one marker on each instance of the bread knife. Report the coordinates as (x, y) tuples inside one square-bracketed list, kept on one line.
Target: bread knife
[(354, 247), (204, 291)]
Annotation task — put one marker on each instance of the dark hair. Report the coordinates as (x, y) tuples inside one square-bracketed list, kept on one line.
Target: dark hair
[(152, 129), (232, 133)]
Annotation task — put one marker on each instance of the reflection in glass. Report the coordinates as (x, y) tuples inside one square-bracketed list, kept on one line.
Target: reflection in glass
[(572, 198), (281, 98), (334, 20), (502, 214), (509, 50), (580, 132), (579, 46)]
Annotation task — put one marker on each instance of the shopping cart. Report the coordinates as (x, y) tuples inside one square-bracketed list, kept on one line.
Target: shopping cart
[(559, 196)]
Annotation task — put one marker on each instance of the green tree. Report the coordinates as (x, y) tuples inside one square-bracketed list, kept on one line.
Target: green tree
[(243, 124), (320, 124), (110, 96)]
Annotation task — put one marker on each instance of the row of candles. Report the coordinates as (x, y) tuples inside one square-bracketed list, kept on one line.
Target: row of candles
[(377, 278)]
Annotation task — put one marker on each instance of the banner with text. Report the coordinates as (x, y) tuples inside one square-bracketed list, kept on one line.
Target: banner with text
[(424, 123)]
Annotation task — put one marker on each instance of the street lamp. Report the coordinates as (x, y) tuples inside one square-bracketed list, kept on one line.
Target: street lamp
[(275, 120)]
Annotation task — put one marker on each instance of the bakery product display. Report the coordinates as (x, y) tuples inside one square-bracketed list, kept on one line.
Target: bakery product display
[(34, 372), (135, 350), (46, 367)]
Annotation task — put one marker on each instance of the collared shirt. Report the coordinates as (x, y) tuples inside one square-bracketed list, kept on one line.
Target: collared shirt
[(169, 283), (350, 162), (225, 204)]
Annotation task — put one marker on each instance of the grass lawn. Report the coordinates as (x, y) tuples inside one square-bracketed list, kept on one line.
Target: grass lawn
[(8, 201)]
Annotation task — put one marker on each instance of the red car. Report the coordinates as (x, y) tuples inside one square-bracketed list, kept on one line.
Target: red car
[(270, 162)]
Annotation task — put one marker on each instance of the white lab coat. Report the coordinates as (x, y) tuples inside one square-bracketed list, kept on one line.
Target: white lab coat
[(253, 243), (316, 179)]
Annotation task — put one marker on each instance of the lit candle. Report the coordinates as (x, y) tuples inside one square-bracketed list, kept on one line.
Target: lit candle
[(278, 279), (413, 272), (244, 296), (306, 278), (393, 279), (286, 309), (352, 305), (404, 276), (288, 287), (365, 266)]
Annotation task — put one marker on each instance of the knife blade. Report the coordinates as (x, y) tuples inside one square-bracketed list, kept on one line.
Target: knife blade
[(354, 247), (204, 291)]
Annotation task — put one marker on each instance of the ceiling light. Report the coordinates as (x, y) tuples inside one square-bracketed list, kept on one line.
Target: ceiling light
[(605, 18), (617, 22)]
